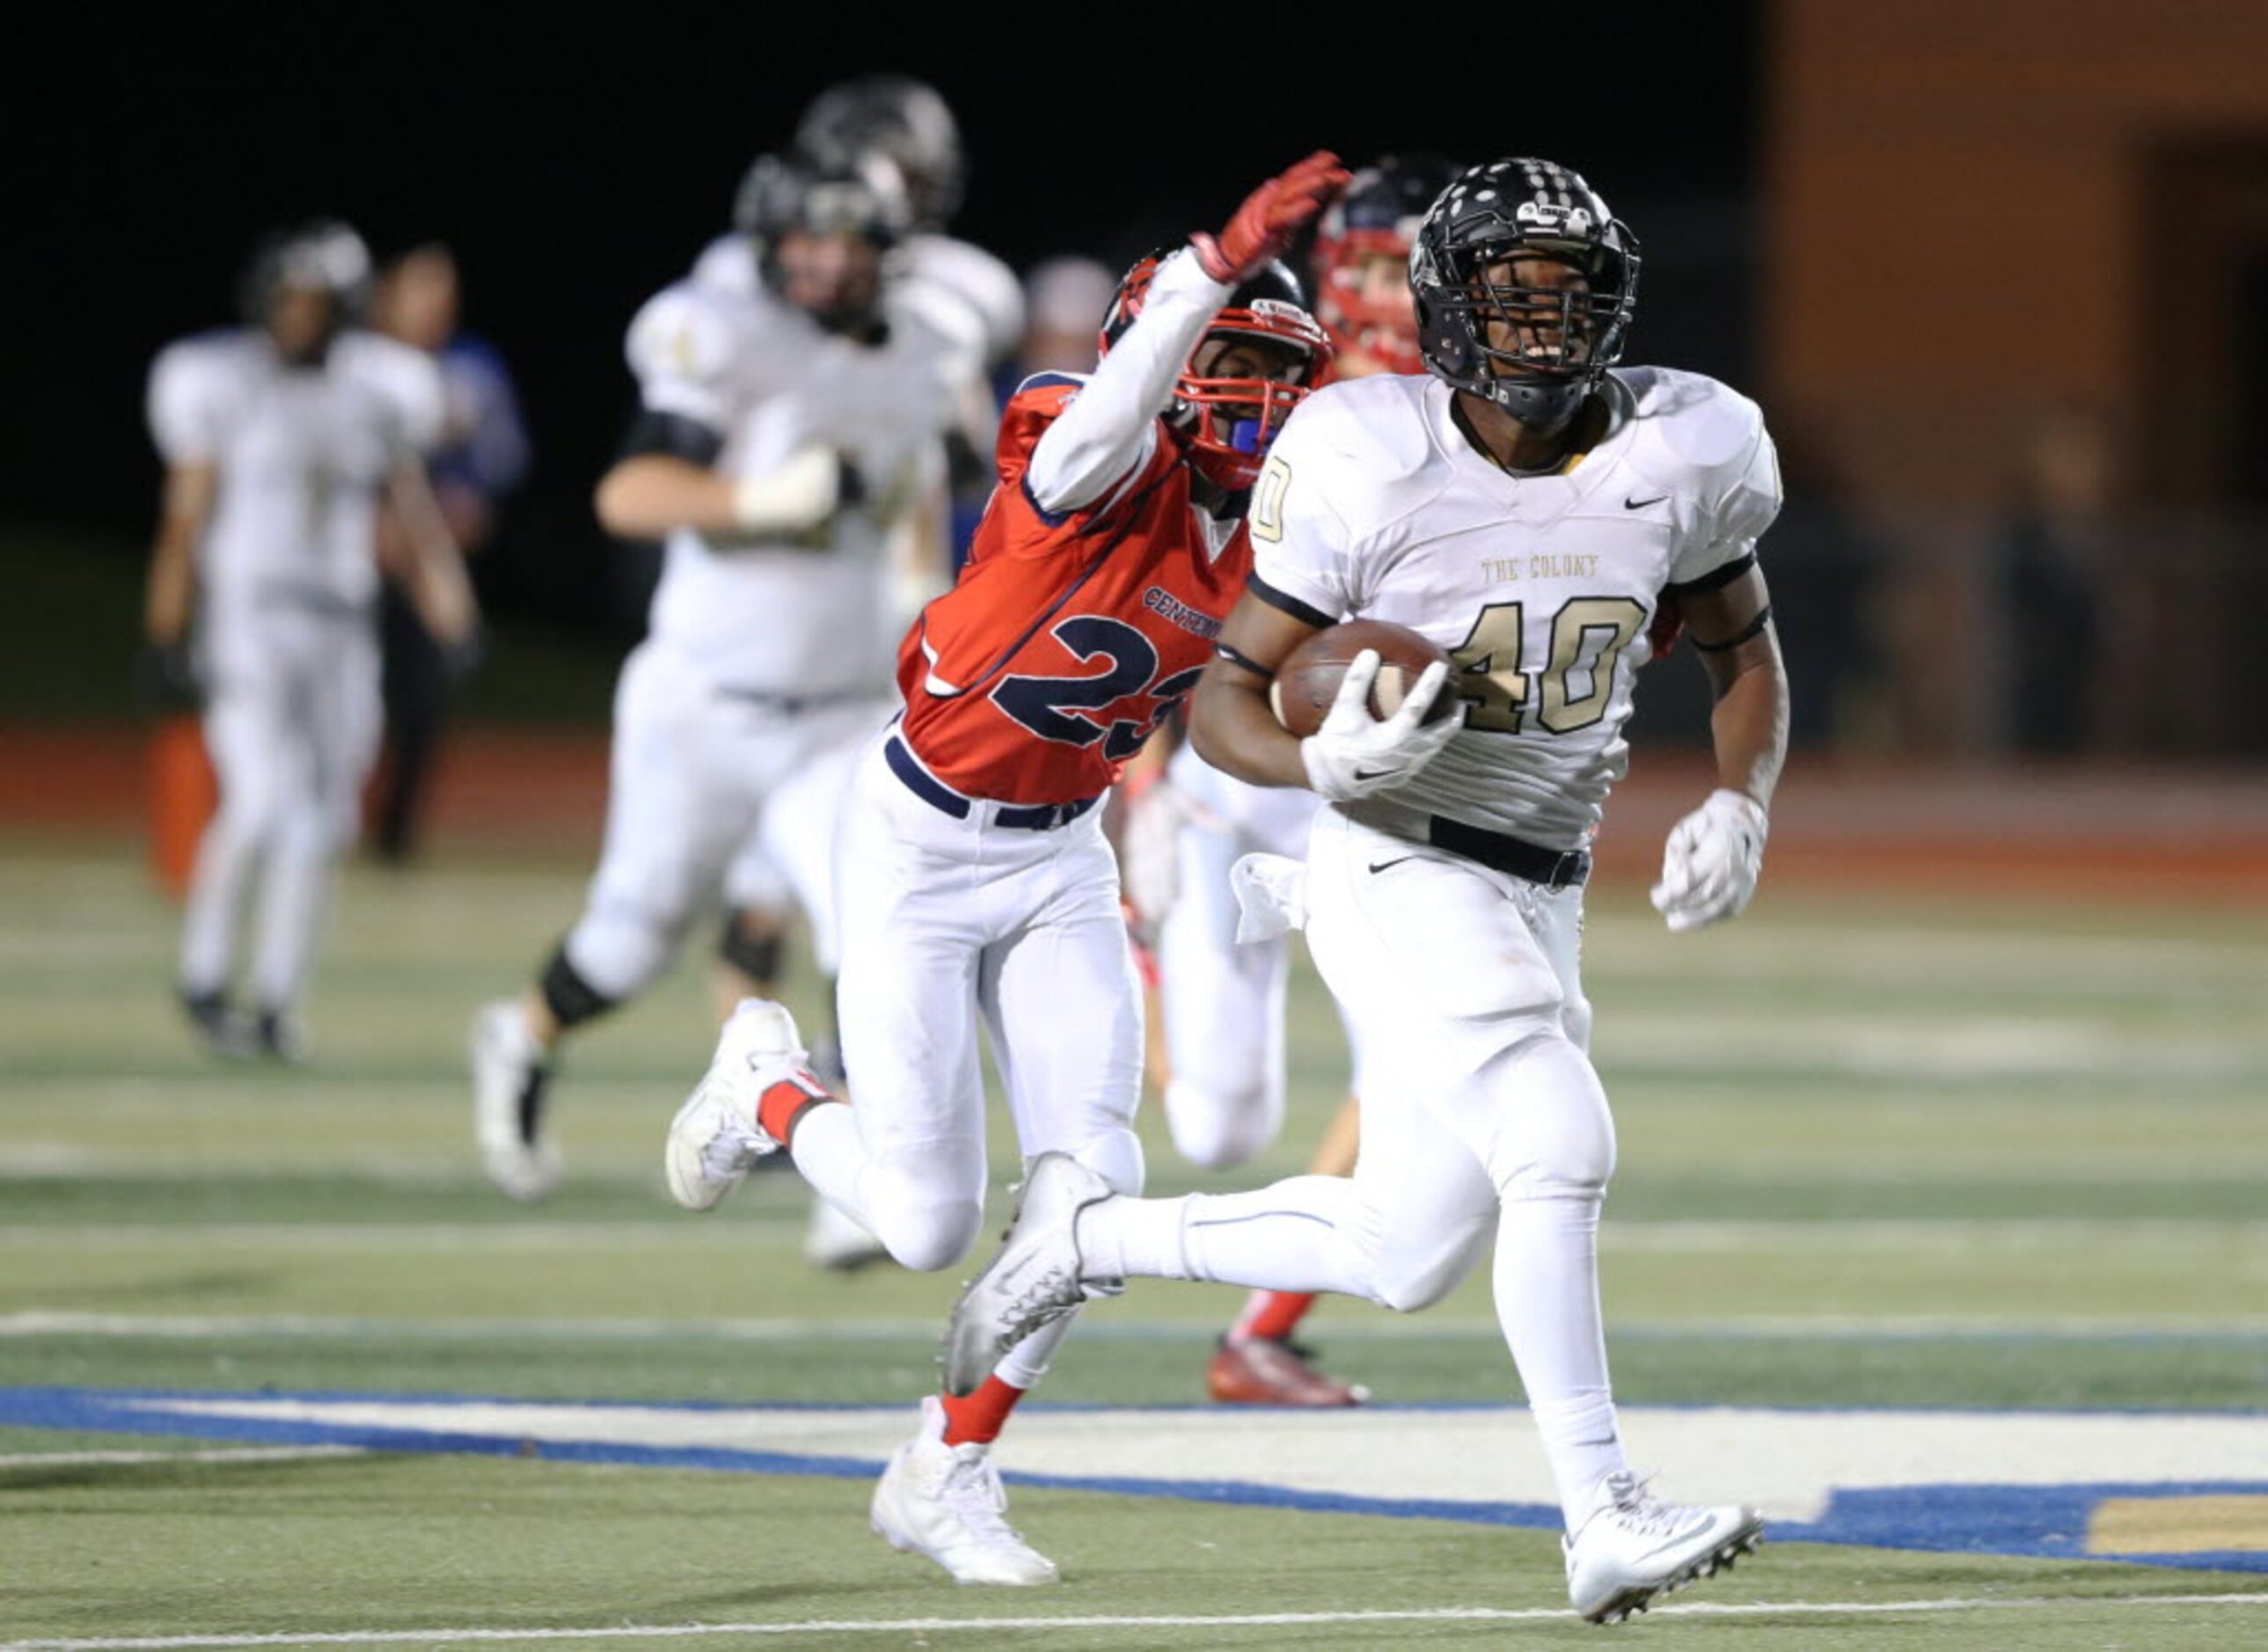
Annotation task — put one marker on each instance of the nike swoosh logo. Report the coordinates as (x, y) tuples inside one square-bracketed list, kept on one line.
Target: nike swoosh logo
[(1380, 866), (1640, 504), (1373, 773)]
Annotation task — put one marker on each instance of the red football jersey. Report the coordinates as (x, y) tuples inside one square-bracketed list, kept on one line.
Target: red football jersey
[(1070, 635)]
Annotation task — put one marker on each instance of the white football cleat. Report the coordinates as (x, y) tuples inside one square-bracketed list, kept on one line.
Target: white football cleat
[(510, 1077), (1634, 1546), (837, 1241), (715, 1137), (1035, 1278), (946, 1501)]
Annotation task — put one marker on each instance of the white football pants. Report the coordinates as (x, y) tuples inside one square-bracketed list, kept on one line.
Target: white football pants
[(949, 925), (293, 724), (696, 775), (1485, 1119)]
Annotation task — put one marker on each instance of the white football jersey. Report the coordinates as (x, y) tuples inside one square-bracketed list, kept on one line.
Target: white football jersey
[(797, 617), (1541, 587), (958, 284), (302, 455)]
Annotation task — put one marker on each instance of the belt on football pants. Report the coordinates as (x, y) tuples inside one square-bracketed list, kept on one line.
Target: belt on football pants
[(1554, 868), (1037, 818)]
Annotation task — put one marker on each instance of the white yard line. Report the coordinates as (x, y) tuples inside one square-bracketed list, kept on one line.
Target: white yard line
[(233, 1454), (1254, 1620), (1353, 1324), (1948, 1236)]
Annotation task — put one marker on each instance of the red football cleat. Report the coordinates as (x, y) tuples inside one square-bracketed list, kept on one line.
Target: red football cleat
[(1271, 1372)]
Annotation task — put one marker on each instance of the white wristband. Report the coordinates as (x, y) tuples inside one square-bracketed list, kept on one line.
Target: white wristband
[(800, 495)]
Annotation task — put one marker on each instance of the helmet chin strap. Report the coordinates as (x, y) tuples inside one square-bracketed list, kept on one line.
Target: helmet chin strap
[(1542, 403)]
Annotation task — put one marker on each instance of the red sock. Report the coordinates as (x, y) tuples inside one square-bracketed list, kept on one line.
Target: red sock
[(979, 1417), (1270, 1316), (782, 1104)]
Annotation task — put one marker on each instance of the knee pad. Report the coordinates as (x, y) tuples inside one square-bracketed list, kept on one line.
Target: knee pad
[(1116, 1156), (1214, 1131), (1557, 1139), (571, 998)]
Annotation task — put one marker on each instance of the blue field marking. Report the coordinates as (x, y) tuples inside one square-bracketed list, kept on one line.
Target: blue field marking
[(2039, 1521)]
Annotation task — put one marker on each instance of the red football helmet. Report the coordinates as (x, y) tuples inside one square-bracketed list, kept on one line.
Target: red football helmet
[(1376, 218), (1229, 422)]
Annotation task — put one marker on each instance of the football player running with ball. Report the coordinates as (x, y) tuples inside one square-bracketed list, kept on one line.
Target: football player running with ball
[(1526, 508), (1222, 1003), (978, 886)]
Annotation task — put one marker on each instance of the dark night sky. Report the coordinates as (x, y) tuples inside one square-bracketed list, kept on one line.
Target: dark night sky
[(577, 166)]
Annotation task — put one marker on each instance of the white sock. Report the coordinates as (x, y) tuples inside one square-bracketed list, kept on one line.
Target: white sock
[(1024, 1365), (1282, 1238), (832, 1157), (1547, 1300)]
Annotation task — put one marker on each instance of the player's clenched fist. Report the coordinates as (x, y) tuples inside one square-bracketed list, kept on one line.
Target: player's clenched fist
[(1270, 218), (1708, 866), (1354, 754)]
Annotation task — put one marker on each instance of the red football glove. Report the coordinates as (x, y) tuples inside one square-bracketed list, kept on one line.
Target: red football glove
[(1271, 216)]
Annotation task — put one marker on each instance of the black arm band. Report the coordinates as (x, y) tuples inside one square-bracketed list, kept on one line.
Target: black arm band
[(1763, 619), (1223, 651), (672, 434), (1724, 574), (1283, 602)]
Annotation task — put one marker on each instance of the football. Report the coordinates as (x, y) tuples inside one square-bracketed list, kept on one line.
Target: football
[(1309, 679)]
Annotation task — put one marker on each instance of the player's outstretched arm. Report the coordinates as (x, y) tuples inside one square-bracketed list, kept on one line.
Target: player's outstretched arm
[(651, 496), (1714, 854), (1103, 435)]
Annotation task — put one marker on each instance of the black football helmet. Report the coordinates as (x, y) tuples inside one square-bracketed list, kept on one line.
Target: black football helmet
[(782, 195), (900, 118), (1553, 344), (1229, 422), (1377, 217)]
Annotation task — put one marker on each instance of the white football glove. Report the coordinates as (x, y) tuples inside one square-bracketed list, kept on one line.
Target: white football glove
[(1710, 864), (1354, 754), (1150, 850)]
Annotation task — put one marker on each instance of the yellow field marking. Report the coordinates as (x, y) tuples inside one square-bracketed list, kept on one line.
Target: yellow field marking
[(2179, 1525)]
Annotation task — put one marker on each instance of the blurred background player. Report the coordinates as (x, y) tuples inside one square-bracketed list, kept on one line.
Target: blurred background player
[(907, 123), (959, 287), (782, 437), (1061, 297), (985, 892), (481, 458), (1444, 886), (1221, 1005), (280, 439)]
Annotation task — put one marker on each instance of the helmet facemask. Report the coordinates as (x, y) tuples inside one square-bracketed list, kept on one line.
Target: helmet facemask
[(1231, 418), (1545, 320), (843, 222), (1525, 286), (1228, 420)]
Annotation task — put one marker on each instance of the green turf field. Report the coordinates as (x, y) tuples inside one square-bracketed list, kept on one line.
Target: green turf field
[(1929, 1154)]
